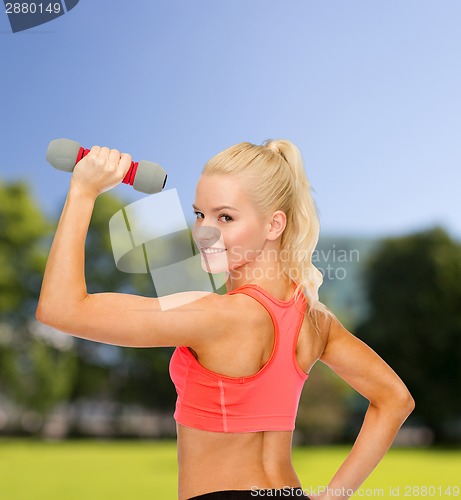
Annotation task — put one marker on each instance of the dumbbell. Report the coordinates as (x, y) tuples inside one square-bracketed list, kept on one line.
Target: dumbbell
[(145, 176)]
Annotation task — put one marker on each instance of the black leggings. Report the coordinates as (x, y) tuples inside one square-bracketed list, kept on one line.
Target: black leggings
[(287, 492)]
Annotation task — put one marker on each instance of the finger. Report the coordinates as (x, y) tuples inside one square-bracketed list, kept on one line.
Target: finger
[(104, 154), (114, 157), (94, 151), (125, 162)]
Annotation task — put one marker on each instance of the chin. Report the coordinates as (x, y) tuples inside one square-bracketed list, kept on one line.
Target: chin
[(215, 264)]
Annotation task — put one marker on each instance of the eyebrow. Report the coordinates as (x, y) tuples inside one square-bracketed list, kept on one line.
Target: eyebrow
[(217, 209)]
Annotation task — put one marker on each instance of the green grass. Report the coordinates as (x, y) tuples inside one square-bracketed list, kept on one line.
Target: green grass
[(89, 470), (403, 473)]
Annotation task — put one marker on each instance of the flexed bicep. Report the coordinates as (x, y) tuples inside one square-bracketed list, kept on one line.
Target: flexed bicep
[(184, 319)]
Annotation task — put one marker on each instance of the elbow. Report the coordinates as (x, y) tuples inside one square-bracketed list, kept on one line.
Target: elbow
[(405, 403), (400, 403), (395, 400), (40, 313), (65, 316), (44, 315), (54, 316)]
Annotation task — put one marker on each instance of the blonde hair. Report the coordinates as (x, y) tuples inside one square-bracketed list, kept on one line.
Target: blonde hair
[(278, 181)]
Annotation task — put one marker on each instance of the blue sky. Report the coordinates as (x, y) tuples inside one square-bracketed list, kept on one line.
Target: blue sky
[(369, 91)]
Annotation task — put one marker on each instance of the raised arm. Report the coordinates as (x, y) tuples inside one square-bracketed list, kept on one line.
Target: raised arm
[(390, 405), (115, 318)]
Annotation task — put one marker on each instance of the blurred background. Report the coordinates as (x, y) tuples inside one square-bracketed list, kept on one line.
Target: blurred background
[(371, 94)]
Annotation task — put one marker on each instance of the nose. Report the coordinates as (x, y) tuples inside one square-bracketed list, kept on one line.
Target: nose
[(206, 236)]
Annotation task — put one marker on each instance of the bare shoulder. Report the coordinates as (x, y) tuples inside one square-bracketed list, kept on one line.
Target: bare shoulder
[(338, 339), (246, 307), (233, 313)]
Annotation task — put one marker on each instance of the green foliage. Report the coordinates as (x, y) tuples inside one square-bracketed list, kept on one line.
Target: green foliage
[(324, 413), (37, 376), (144, 378), (34, 371), (414, 288), (22, 255)]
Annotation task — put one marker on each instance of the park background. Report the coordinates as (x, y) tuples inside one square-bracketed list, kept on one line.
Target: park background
[(369, 91)]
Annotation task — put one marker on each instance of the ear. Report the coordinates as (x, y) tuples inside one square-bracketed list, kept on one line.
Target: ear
[(277, 224)]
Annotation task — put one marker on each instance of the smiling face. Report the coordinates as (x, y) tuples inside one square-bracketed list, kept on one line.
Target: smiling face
[(228, 231)]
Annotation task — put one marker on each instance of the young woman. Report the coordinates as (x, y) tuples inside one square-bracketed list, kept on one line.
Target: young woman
[(242, 358)]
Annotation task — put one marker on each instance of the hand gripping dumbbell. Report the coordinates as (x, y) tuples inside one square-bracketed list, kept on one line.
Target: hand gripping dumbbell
[(145, 176)]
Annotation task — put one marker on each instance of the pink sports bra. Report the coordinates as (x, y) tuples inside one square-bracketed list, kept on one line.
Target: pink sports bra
[(267, 400)]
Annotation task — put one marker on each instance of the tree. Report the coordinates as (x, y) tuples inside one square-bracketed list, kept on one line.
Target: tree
[(414, 289), (30, 357), (326, 408), (22, 255)]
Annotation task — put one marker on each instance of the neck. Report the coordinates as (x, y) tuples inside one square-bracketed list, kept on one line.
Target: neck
[(266, 271)]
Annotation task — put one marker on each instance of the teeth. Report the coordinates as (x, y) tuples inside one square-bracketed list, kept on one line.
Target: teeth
[(213, 250)]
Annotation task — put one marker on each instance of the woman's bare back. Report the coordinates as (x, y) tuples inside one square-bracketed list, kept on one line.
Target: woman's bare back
[(213, 461)]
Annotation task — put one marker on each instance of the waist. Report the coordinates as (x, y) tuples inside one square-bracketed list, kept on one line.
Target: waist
[(210, 461)]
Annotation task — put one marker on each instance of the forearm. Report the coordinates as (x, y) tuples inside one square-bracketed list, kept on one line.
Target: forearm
[(380, 426), (64, 282)]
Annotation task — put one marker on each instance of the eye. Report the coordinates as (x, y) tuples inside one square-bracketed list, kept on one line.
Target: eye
[(222, 217), (227, 218)]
